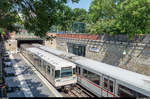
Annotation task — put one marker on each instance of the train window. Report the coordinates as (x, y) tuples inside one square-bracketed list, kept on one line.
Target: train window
[(105, 85), (48, 69), (44, 65), (52, 72), (100, 82), (57, 73), (110, 86), (124, 91), (39, 63), (140, 95), (85, 73), (74, 70), (93, 77), (37, 60), (78, 70), (66, 72)]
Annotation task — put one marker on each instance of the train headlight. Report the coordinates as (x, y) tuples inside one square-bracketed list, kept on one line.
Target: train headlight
[(58, 80), (74, 77)]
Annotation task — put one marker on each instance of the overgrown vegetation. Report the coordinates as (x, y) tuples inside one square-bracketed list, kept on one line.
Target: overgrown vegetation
[(129, 17), (37, 16)]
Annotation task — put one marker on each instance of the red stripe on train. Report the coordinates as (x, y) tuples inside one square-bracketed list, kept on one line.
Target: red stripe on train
[(97, 86)]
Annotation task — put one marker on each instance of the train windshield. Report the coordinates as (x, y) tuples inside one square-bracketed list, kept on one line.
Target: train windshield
[(66, 72), (57, 73)]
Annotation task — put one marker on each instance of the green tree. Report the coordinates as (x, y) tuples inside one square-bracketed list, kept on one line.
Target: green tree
[(134, 17), (80, 18), (102, 16), (8, 16), (80, 15), (70, 16), (37, 15), (40, 15), (130, 17), (65, 19), (102, 9)]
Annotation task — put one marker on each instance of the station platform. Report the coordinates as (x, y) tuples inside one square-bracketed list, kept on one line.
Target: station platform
[(24, 80)]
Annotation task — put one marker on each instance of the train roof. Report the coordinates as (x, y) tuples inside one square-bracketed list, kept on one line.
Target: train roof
[(129, 77), (56, 52), (26, 45), (37, 45), (52, 59)]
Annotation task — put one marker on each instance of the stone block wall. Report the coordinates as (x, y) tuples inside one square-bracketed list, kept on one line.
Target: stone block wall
[(61, 44), (51, 43), (81, 36), (11, 45)]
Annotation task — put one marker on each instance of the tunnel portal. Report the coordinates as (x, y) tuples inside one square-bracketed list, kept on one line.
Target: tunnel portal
[(28, 41)]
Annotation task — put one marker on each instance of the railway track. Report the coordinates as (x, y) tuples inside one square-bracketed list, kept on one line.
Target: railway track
[(77, 91)]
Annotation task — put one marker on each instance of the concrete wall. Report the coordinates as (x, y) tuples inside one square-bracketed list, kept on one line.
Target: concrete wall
[(110, 49), (61, 44), (51, 43), (11, 45)]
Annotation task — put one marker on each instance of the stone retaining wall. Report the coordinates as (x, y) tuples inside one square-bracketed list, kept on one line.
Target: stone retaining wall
[(11, 45), (51, 43)]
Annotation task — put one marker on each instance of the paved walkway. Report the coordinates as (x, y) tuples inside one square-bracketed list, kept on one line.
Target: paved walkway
[(25, 82)]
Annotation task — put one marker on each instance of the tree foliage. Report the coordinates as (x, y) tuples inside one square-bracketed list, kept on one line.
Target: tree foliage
[(8, 16), (40, 15), (70, 16), (102, 9), (134, 17), (37, 15), (129, 17), (66, 19), (80, 15)]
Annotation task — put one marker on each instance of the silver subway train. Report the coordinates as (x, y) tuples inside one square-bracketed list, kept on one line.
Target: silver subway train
[(60, 72), (105, 80)]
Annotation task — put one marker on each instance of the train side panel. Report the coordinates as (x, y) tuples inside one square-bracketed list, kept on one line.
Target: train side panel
[(96, 89)]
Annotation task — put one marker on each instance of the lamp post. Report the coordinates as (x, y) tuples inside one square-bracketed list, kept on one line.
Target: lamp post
[(124, 53)]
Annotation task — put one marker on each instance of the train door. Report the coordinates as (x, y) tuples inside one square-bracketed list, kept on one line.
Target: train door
[(108, 85), (38, 63), (111, 87), (44, 67), (53, 73), (48, 71), (78, 73), (40, 67), (100, 83), (47, 68)]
